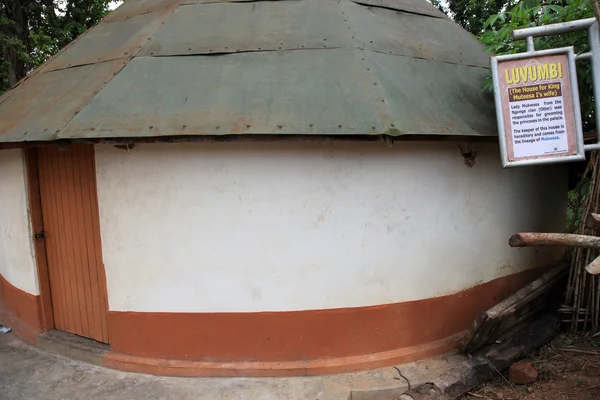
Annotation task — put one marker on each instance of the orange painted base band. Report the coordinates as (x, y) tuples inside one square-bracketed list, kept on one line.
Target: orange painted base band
[(311, 342), (285, 368), (21, 311)]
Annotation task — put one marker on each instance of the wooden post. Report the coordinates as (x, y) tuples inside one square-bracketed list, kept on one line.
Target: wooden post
[(554, 239)]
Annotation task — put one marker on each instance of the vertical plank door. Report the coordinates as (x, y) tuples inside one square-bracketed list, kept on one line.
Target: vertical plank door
[(72, 234)]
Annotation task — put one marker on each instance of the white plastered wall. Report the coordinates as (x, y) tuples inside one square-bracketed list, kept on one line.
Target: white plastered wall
[(17, 262), (247, 227)]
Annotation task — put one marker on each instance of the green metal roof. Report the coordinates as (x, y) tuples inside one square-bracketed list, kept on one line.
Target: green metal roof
[(200, 67)]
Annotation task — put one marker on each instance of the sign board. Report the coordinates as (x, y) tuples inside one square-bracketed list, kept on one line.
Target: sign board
[(537, 107)]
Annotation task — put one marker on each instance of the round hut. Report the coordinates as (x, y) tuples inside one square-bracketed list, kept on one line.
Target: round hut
[(301, 187)]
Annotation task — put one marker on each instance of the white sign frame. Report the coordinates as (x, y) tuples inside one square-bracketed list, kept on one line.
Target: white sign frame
[(504, 134)]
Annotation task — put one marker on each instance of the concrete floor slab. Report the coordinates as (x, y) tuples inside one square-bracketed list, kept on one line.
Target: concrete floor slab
[(29, 373)]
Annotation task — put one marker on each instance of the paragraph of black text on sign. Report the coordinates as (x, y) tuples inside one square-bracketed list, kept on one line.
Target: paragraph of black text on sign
[(537, 118)]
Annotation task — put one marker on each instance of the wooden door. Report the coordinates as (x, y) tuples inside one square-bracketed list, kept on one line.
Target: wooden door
[(72, 238)]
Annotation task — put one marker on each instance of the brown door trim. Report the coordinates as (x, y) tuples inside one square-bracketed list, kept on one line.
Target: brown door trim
[(37, 228)]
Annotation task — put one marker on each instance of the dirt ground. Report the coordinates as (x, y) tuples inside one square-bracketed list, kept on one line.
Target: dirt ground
[(569, 368)]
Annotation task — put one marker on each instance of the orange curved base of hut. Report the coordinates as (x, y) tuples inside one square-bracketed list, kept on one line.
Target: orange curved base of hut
[(336, 365), (295, 343), (21, 311)]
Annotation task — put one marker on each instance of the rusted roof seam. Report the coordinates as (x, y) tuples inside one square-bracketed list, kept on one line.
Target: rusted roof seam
[(354, 1), (272, 137), (84, 64), (427, 59), (395, 9), (364, 4), (224, 53), (131, 16)]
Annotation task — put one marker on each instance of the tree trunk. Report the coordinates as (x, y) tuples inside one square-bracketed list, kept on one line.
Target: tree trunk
[(17, 68)]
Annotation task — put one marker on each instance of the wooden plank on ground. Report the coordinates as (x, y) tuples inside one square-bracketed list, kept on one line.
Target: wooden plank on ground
[(524, 305)]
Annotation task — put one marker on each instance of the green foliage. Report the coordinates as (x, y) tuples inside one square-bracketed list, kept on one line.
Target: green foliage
[(575, 204), (497, 37), (39, 28), (54, 26), (472, 14), (439, 4)]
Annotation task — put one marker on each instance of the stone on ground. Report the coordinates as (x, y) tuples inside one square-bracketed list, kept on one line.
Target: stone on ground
[(523, 373)]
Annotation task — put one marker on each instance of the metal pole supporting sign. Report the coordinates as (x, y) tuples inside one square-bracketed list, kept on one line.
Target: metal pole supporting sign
[(537, 99)]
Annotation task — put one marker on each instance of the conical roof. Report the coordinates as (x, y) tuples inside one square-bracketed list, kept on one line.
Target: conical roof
[(289, 67)]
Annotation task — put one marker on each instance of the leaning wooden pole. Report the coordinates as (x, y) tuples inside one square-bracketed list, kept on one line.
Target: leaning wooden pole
[(554, 239)]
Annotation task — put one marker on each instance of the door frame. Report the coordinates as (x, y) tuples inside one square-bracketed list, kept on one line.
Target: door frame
[(37, 225)]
